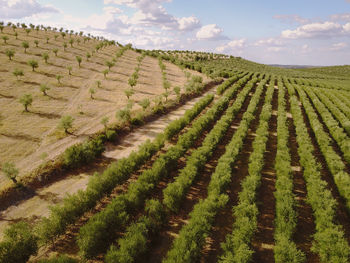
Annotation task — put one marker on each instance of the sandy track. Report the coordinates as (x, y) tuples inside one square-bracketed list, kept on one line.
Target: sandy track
[(33, 208)]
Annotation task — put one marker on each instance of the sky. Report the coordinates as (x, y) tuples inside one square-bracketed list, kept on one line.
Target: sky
[(298, 32)]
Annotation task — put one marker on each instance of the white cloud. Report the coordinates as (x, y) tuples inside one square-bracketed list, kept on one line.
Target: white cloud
[(341, 17), (275, 49), (210, 32), (188, 23), (314, 30), (232, 46), (112, 10), (269, 41), (339, 46), (16, 9), (292, 19)]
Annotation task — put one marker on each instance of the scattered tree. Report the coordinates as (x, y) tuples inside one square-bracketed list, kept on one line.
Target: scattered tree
[(16, 35), (104, 122), (56, 36), (36, 42), (45, 56), (129, 93), (10, 53), (109, 64), (44, 88), (88, 55), (79, 60), (132, 82), (33, 63), (65, 46), (59, 77), (26, 100), (18, 73), (71, 41), (144, 104), (123, 115), (92, 91), (47, 40), (25, 45), (166, 95), (1, 28), (98, 83), (105, 72), (5, 38), (69, 70), (177, 90), (55, 50), (63, 34), (28, 31), (66, 123), (11, 172)]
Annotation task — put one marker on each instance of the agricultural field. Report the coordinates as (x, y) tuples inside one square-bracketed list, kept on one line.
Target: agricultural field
[(254, 169)]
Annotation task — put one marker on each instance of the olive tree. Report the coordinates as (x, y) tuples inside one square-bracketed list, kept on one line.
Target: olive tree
[(18, 73), (36, 42), (92, 91), (10, 171), (79, 60), (10, 53), (144, 104), (26, 100), (69, 70), (45, 56), (129, 93), (25, 45), (5, 38), (55, 50), (44, 88), (33, 63), (66, 122)]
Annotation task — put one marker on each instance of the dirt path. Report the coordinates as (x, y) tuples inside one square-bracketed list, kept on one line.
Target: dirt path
[(263, 241), (305, 227), (37, 204), (224, 219)]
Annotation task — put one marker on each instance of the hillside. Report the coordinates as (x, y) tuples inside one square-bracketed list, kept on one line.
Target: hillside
[(253, 165), (30, 138)]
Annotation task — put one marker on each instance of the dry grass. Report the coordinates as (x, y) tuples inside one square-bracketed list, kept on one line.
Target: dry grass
[(25, 136)]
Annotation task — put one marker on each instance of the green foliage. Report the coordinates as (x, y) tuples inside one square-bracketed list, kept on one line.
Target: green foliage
[(145, 103), (10, 53), (105, 72), (59, 77), (71, 42), (83, 153), (10, 171), (128, 93), (92, 91), (33, 63), (66, 123), (36, 42), (79, 60), (104, 122), (25, 45), (69, 70), (88, 56), (45, 56), (44, 88), (18, 245), (26, 100), (5, 38), (132, 81), (123, 115), (18, 73), (109, 64)]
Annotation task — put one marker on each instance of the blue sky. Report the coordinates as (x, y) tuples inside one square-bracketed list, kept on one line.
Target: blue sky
[(312, 32)]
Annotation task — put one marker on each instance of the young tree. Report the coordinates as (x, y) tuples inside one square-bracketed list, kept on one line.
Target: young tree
[(104, 122), (18, 73), (98, 83), (26, 100), (177, 90), (56, 36), (88, 55), (79, 60), (47, 40), (59, 77), (78, 41), (66, 123), (44, 88), (105, 72), (166, 95), (5, 38), (25, 45), (69, 70), (36, 42), (166, 85), (1, 28), (55, 50), (45, 56), (16, 35), (14, 27), (123, 115), (10, 171), (65, 46), (129, 93), (33, 63), (92, 91), (109, 64), (28, 31), (71, 41), (63, 34), (144, 104), (132, 81), (10, 53)]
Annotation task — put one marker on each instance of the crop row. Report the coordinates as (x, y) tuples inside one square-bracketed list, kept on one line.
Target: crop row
[(285, 249), (334, 161), (221, 89), (187, 246), (344, 96), (94, 236), (134, 242), (227, 83), (329, 241), (236, 247), (339, 110)]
